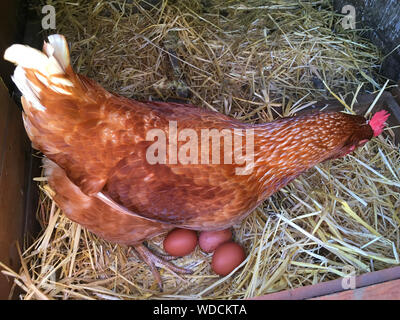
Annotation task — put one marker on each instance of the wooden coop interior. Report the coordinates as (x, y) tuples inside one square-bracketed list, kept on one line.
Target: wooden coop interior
[(19, 164)]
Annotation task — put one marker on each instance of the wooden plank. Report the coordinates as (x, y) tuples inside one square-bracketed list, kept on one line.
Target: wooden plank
[(11, 24), (14, 153), (334, 286), (383, 291)]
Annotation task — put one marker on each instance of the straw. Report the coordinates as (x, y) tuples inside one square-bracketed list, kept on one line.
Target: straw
[(255, 62)]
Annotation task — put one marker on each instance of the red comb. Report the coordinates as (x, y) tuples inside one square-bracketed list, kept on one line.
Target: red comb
[(377, 122)]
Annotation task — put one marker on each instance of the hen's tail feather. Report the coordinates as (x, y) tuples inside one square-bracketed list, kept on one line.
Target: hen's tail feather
[(61, 53), (37, 71)]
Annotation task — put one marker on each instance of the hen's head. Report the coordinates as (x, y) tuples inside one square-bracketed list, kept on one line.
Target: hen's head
[(363, 132)]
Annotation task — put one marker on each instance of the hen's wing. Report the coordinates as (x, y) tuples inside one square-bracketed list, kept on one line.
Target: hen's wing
[(192, 196), (97, 216)]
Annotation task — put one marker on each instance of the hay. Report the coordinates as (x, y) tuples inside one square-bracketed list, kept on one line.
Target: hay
[(254, 62)]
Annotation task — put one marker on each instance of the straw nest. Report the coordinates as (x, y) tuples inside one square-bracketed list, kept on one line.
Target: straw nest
[(254, 62)]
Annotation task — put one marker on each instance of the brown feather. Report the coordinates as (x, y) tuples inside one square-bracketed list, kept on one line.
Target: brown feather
[(113, 225)]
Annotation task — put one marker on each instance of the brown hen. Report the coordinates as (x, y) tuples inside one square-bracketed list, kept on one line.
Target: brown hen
[(112, 173)]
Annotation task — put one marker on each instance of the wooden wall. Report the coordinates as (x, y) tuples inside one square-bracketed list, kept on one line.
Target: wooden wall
[(15, 150)]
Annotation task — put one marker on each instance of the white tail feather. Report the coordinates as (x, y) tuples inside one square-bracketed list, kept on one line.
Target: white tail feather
[(48, 66), (30, 58), (61, 52), (28, 89)]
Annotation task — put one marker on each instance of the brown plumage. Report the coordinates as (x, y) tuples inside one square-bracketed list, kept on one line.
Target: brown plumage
[(98, 149)]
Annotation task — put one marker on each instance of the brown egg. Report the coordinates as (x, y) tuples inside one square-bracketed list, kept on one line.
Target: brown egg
[(227, 257), (210, 240), (180, 242)]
